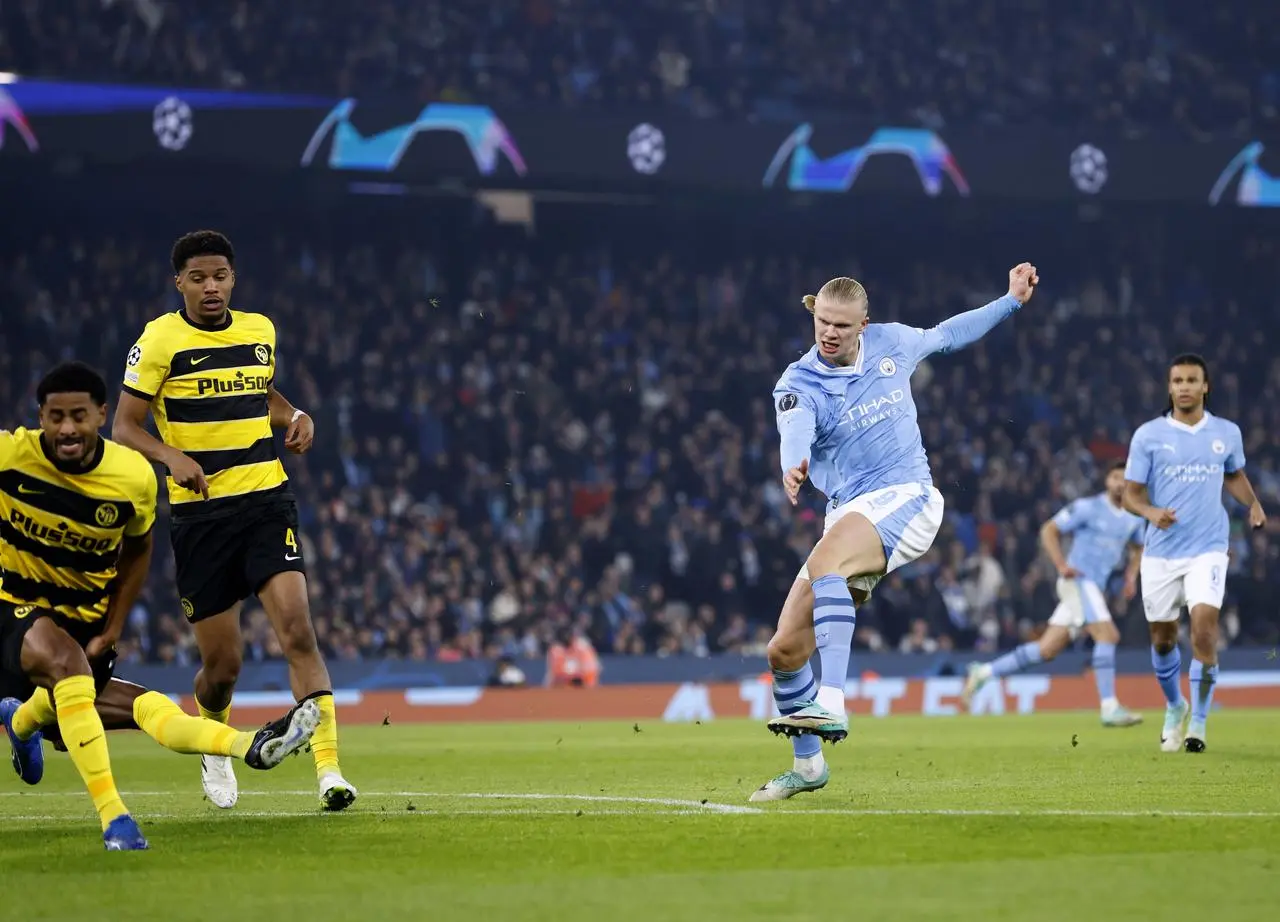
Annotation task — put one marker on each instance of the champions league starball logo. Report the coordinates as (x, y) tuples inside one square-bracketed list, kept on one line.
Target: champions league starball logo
[(12, 116), (808, 172), (1256, 189), (485, 136)]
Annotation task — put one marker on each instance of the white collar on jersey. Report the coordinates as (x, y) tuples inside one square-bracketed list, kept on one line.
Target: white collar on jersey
[(1177, 424), (1115, 510), (828, 369)]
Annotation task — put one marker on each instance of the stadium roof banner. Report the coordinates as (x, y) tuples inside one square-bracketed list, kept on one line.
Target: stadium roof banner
[(530, 148)]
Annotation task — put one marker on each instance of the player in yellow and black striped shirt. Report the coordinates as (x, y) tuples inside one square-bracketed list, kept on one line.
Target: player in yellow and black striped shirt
[(207, 375), (76, 513)]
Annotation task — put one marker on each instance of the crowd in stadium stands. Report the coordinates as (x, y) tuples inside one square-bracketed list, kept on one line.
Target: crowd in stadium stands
[(533, 440), (1132, 67)]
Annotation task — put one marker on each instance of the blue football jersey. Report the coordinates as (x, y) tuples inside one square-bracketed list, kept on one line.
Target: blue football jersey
[(1183, 468), (857, 423), (1100, 533), (867, 436)]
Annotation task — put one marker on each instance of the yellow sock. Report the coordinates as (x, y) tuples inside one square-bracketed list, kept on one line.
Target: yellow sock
[(324, 744), (34, 713), (222, 717), (174, 729), (87, 744)]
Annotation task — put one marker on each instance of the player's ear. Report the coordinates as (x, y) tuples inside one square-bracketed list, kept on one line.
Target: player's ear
[(177, 282)]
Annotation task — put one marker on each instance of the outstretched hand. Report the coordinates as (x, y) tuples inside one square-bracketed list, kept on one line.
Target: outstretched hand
[(1023, 280)]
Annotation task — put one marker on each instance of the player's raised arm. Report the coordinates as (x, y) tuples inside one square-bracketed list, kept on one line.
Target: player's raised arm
[(797, 419), (967, 328)]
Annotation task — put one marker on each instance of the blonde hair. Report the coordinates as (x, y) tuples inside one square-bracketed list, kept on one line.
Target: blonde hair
[(842, 290)]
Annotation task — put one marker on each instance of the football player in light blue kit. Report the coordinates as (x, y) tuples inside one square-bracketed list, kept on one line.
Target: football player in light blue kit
[(1178, 465), (848, 422), (1101, 532)]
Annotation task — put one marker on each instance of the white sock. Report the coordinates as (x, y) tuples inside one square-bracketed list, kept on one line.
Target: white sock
[(831, 698), (1110, 704), (809, 768)]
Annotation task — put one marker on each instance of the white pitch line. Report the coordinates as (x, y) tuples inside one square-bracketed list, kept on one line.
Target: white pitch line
[(325, 817), (690, 806), (669, 807)]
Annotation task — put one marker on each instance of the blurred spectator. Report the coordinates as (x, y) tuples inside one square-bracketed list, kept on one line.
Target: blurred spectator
[(572, 660)]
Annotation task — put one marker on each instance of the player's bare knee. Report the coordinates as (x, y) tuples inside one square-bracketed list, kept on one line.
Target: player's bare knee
[(1106, 632), (1053, 642), (787, 652), (221, 670), (1204, 642), (1164, 636), (57, 661)]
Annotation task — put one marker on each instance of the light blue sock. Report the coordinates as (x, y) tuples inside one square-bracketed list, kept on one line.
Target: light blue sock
[(792, 690), (833, 622), (1203, 678), (1168, 668), (1017, 659), (1104, 669)]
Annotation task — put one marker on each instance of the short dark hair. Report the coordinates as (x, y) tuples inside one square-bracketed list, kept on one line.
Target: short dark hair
[(201, 243), (1118, 465), (1192, 358), (73, 378)]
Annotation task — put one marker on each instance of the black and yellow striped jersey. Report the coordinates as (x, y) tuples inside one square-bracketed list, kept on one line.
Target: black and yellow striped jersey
[(60, 532), (208, 387)]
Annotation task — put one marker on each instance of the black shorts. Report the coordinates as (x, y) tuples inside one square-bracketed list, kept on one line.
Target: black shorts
[(224, 561), (15, 621)]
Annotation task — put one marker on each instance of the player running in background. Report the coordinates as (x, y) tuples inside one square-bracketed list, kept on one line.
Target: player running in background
[(848, 422), (1101, 530), (1178, 465), (206, 373), (76, 515)]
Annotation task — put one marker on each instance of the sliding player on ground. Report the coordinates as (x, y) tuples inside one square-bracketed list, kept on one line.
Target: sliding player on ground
[(1178, 465), (1101, 531), (207, 375), (847, 421), (76, 515)]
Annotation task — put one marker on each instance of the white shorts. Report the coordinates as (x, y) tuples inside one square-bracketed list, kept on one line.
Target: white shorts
[(1168, 584), (907, 518), (1080, 602)]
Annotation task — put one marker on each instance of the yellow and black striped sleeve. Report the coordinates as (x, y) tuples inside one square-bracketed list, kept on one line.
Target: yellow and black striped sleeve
[(148, 362), (144, 500)]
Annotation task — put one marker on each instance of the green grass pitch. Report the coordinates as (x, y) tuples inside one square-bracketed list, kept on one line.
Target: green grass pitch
[(1049, 817)]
